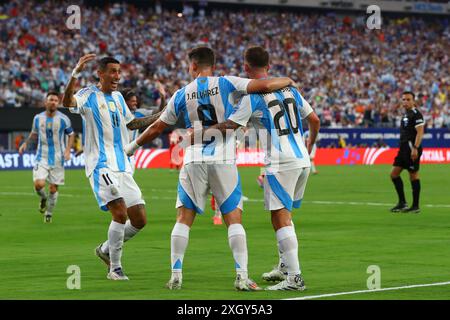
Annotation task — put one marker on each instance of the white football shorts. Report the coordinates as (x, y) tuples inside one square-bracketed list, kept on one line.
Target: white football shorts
[(53, 175), (197, 179), (110, 185), (285, 189)]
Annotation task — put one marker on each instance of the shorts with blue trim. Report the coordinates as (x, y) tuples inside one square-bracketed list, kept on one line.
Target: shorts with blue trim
[(285, 189), (197, 179), (111, 185)]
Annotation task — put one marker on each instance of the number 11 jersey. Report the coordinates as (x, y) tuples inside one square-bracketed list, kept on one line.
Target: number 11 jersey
[(277, 118), (204, 102)]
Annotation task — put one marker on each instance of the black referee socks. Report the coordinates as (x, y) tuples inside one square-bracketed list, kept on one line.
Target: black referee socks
[(415, 184), (398, 183)]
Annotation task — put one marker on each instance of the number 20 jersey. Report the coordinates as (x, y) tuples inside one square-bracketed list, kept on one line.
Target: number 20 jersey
[(207, 101), (277, 117)]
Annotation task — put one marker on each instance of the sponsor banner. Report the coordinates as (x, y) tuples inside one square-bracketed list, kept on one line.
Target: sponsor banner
[(370, 156), (160, 158), (433, 138), (15, 161)]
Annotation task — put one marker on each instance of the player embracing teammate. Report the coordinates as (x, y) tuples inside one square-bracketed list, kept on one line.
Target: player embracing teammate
[(204, 102), (277, 118)]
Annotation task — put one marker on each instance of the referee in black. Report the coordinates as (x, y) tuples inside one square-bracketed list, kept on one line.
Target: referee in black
[(408, 157)]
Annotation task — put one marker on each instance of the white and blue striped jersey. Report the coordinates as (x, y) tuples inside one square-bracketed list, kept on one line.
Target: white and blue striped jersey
[(139, 113), (204, 102), (277, 118), (105, 118), (51, 133)]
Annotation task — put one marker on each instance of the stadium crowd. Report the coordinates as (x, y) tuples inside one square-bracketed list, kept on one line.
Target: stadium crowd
[(351, 75)]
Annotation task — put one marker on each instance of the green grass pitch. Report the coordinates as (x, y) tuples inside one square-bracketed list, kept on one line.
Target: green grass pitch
[(343, 227)]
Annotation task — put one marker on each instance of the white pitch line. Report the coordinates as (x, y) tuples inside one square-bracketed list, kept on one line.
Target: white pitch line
[(370, 291), (345, 203)]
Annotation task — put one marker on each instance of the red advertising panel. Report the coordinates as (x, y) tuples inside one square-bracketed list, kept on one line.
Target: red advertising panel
[(160, 158)]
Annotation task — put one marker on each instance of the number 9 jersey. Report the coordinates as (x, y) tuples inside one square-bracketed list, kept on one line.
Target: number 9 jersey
[(204, 102), (277, 118)]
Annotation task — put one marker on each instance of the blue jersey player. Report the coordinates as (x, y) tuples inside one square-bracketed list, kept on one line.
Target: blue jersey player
[(206, 101), (277, 118), (50, 128)]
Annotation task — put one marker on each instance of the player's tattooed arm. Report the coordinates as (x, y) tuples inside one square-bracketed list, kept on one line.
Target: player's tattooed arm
[(223, 127), (69, 100), (269, 85), (140, 123), (148, 135), (23, 147)]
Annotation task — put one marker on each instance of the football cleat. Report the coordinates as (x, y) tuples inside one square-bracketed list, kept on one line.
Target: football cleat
[(174, 283), (43, 205), (48, 218), (117, 274), (275, 275), (297, 284), (399, 207), (411, 210), (246, 285), (103, 256)]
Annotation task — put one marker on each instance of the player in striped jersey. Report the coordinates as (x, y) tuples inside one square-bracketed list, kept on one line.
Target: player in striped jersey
[(50, 128), (131, 99), (209, 165), (277, 119), (107, 121)]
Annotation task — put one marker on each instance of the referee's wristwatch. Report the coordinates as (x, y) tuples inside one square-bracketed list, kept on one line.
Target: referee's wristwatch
[(414, 147)]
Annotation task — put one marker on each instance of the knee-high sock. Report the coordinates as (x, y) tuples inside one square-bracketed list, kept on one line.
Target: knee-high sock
[(52, 198), (178, 244), (398, 183), (41, 193), (415, 184), (281, 262), (115, 239), (237, 240), (313, 166), (288, 244), (129, 233)]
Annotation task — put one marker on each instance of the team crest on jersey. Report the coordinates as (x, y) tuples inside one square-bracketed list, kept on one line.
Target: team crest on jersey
[(49, 125), (112, 106), (405, 120)]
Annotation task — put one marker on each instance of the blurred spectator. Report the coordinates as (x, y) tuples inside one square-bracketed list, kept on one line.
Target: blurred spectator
[(352, 76)]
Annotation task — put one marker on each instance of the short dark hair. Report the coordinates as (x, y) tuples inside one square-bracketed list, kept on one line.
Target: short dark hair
[(257, 57), (203, 56), (411, 93), (103, 62), (128, 94), (52, 93)]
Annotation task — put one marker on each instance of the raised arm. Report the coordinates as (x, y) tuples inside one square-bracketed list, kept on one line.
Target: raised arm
[(23, 147), (68, 100), (268, 85), (162, 94)]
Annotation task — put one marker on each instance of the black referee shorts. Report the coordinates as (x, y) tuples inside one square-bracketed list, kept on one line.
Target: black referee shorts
[(403, 159)]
